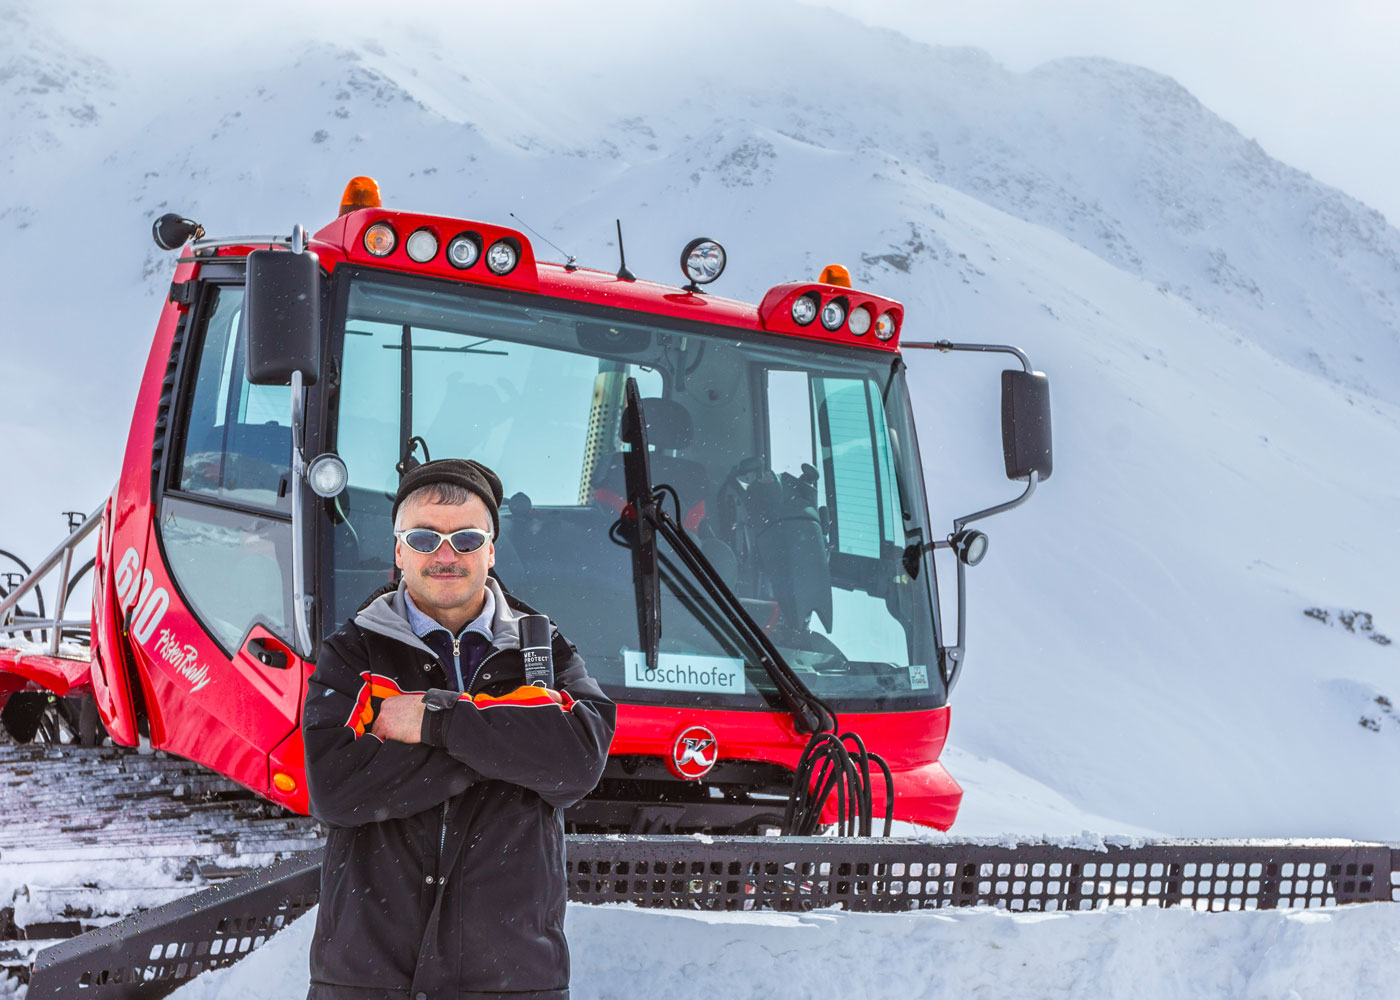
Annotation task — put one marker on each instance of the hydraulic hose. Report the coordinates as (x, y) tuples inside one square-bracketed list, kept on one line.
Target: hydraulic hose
[(827, 765)]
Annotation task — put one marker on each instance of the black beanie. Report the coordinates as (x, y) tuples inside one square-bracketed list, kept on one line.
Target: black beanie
[(471, 476)]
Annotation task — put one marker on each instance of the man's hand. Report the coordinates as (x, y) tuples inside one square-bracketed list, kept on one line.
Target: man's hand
[(400, 718)]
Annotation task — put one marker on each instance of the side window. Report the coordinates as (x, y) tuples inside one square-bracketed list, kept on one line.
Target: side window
[(856, 465), (891, 511), (790, 437), (232, 567), (238, 437)]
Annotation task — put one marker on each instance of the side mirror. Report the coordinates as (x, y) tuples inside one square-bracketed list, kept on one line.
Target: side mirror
[(282, 314), (1025, 424)]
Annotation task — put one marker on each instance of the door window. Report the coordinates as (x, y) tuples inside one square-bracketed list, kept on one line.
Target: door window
[(233, 568), (238, 437), (232, 565)]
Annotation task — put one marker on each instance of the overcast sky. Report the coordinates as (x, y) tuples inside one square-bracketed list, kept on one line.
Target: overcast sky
[(1316, 84)]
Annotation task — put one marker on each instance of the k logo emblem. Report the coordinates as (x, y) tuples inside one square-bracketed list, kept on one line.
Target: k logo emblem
[(693, 752)]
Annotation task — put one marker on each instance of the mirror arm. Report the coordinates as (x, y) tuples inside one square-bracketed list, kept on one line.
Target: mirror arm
[(951, 657), (961, 522), (948, 345)]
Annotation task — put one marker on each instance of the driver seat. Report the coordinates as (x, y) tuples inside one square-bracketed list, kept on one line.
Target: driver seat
[(669, 431)]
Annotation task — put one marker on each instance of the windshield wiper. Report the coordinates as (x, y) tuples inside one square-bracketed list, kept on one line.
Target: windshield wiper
[(636, 466), (833, 762), (809, 711)]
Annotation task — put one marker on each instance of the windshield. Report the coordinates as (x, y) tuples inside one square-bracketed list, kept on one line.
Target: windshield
[(793, 469)]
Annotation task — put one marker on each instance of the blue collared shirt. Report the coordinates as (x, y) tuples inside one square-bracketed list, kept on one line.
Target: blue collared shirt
[(422, 624)]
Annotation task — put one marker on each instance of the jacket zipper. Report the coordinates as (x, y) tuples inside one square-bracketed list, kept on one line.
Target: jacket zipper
[(442, 842), (442, 836), (484, 660), (464, 689)]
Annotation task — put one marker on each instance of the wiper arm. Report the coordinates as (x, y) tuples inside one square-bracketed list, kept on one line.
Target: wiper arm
[(810, 712), (636, 465)]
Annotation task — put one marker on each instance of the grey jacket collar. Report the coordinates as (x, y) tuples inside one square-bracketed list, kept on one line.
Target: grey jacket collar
[(388, 616)]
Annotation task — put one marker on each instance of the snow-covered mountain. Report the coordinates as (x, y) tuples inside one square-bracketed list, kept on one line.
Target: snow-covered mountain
[(1222, 334)]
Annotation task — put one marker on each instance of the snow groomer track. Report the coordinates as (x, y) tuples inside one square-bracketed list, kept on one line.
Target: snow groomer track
[(151, 954), (91, 835)]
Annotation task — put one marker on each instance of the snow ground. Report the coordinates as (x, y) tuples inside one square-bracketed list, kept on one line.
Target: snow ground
[(620, 953)]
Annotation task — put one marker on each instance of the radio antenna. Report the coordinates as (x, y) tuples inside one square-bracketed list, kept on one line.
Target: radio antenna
[(623, 274), (569, 265)]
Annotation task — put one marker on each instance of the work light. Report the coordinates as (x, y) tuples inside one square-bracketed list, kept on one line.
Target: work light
[(422, 245), (502, 258), (380, 239), (969, 546), (464, 250), (834, 314), (327, 475), (804, 308), (702, 261)]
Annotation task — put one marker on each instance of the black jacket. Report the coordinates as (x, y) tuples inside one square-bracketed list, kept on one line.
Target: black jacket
[(444, 868)]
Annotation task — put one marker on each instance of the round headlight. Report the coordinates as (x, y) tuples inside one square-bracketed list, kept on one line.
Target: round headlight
[(502, 257), (464, 250), (326, 475), (422, 245), (970, 546), (702, 260), (380, 239), (885, 326), (804, 308), (859, 322), (834, 314)]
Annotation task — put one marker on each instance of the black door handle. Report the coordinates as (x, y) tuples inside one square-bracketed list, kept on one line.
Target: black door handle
[(266, 655)]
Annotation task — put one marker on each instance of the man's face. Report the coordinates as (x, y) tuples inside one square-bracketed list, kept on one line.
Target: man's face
[(446, 582)]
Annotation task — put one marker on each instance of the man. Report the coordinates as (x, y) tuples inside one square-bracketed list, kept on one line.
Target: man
[(441, 774)]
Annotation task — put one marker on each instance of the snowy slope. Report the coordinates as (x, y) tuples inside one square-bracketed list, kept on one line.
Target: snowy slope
[(1220, 331), (622, 952)]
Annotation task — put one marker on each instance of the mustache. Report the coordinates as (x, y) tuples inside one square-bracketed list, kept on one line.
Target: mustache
[(448, 572)]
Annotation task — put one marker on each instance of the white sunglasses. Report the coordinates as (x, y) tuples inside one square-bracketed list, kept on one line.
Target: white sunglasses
[(427, 541)]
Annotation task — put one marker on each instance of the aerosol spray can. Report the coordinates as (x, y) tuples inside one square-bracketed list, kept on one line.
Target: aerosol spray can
[(539, 657)]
